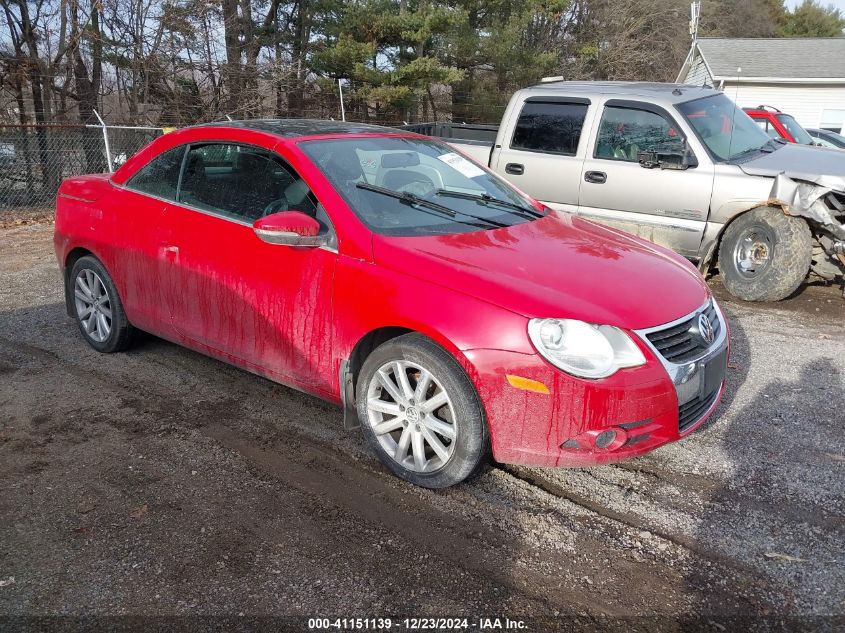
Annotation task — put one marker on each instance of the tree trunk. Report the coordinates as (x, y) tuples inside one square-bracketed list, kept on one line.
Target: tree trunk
[(232, 69), (87, 88), (49, 168)]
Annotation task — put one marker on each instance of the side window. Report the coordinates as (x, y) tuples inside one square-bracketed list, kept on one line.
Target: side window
[(554, 128), (160, 176), (243, 183), (625, 132)]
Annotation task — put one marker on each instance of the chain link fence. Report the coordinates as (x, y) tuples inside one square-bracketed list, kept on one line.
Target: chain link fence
[(34, 159)]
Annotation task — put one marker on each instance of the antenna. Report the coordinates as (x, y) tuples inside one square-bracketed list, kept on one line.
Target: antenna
[(695, 16)]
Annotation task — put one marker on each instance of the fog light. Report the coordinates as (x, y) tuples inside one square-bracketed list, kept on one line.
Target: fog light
[(605, 438), (609, 439)]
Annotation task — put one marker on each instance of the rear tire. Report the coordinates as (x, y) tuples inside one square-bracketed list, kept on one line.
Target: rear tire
[(765, 255), (420, 413), (97, 307)]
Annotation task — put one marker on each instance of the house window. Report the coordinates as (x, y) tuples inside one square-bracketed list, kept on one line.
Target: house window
[(833, 120)]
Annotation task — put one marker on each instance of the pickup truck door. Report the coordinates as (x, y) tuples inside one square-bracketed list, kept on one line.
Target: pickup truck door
[(545, 154), (667, 206)]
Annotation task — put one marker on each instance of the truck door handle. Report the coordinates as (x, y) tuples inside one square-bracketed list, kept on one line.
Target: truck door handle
[(514, 168), (597, 177)]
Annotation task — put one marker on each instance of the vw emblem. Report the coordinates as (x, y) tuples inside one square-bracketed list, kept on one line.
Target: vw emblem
[(705, 329)]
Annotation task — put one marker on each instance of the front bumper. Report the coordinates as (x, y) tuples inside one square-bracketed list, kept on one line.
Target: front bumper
[(645, 406)]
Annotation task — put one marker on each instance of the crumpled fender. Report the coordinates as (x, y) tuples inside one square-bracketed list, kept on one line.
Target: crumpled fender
[(806, 199)]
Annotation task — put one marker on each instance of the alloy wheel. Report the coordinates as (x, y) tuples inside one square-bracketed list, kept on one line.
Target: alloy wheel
[(411, 416), (93, 305)]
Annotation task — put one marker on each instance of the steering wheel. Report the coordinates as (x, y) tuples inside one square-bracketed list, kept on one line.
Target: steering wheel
[(274, 207)]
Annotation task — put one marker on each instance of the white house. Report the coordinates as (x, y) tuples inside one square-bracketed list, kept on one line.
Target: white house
[(804, 77)]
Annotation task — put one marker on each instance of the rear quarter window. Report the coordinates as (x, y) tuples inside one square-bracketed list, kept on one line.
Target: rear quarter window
[(160, 176), (553, 128)]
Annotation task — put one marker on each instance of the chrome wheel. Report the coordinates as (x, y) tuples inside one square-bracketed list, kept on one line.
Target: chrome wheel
[(93, 306), (411, 416), (753, 251)]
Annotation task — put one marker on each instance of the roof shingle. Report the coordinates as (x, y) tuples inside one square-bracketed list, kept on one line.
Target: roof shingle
[(792, 58)]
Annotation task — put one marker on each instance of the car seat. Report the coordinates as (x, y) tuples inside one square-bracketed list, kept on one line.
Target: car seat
[(194, 181)]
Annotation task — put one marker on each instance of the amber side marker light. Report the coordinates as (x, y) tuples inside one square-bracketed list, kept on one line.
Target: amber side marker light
[(526, 384)]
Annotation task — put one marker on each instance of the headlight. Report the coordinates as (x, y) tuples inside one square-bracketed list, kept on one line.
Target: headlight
[(583, 349)]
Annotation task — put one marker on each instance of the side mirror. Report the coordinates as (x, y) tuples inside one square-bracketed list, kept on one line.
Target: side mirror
[(681, 158), (289, 228)]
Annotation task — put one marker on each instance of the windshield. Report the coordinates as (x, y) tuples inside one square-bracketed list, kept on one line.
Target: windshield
[(412, 186), (798, 133), (831, 138), (727, 131)]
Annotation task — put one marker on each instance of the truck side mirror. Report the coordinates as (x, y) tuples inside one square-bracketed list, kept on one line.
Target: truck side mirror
[(681, 158)]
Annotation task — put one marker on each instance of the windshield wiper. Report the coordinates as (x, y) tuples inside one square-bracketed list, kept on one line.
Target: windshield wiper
[(766, 148), (748, 152), (486, 198), (411, 199)]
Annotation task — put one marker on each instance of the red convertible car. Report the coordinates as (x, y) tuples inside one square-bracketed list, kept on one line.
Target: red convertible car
[(449, 314)]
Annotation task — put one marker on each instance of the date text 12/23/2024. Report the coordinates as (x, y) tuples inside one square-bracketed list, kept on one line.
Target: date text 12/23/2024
[(415, 624)]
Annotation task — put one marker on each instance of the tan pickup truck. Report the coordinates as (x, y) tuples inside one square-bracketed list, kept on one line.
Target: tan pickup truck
[(682, 166)]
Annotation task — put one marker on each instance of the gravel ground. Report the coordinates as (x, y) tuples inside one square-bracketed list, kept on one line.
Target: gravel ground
[(162, 482)]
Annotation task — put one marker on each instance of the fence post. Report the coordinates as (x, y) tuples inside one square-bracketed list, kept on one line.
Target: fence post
[(105, 140)]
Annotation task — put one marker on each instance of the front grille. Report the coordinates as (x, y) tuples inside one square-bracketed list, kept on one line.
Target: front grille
[(690, 412), (680, 343)]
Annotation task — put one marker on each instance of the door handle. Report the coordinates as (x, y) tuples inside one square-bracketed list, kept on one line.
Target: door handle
[(514, 168), (170, 253), (596, 177)]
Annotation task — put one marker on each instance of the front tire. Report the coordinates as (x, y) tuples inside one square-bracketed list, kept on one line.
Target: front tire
[(420, 413), (765, 255), (97, 306)]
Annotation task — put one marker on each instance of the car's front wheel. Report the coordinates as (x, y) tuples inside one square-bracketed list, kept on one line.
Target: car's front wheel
[(765, 255), (98, 310), (420, 413)]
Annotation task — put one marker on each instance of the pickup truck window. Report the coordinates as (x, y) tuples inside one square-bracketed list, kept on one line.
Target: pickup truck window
[(727, 132), (553, 128), (625, 132)]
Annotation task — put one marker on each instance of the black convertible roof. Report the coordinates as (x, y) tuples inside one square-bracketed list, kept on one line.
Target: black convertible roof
[(291, 128)]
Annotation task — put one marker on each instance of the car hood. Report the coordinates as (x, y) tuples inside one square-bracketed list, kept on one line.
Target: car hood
[(556, 266), (819, 165)]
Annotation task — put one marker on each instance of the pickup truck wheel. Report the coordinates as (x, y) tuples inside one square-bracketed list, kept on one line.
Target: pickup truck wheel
[(765, 255), (420, 413), (99, 312)]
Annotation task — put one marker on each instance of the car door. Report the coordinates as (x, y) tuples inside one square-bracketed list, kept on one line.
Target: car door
[(666, 206), (142, 204), (545, 154), (264, 305)]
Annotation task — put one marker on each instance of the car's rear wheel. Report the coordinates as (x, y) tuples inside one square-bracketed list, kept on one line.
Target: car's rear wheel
[(99, 312), (421, 414), (765, 255)]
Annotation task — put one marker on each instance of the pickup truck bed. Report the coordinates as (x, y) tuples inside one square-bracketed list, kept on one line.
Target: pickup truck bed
[(476, 140)]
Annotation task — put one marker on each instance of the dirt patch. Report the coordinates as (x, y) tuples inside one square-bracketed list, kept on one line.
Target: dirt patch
[(10, 218), (162, 482)]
